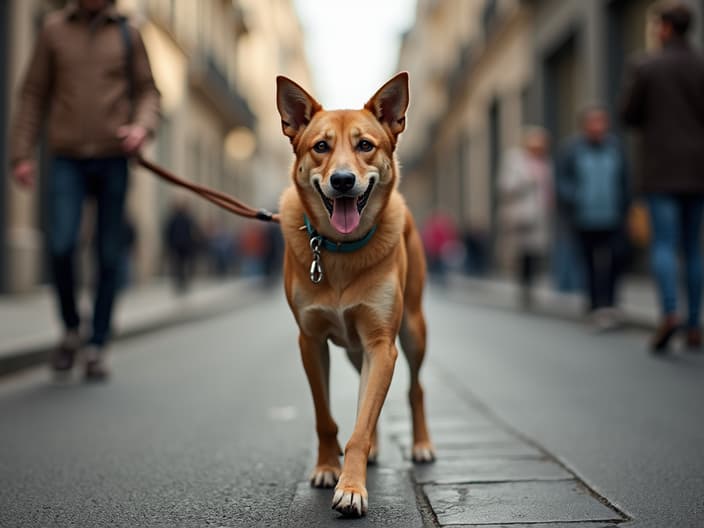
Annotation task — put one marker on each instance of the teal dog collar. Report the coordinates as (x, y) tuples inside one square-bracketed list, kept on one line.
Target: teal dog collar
[(338, 247), (318, 242)]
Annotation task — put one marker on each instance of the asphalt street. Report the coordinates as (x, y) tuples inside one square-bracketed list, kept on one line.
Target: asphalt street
[(538, 422)]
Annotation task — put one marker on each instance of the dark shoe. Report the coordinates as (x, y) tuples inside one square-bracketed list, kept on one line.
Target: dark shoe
[(64, 355), (663, 334), (96, 367), (694, 339)]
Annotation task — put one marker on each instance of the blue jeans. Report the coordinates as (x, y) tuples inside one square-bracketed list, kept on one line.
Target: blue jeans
[(675, 221), (71, 182)]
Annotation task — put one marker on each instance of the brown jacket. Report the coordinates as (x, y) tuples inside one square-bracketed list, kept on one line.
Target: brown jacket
[(78, 78), (664, 99)]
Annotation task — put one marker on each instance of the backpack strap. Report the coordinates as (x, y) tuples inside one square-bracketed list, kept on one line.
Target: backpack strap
[(129, 62)]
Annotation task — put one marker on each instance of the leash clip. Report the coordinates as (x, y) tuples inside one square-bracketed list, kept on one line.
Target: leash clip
[(316, 267)]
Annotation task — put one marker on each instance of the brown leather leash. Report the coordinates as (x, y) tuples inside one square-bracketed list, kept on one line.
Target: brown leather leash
[(227, 202)]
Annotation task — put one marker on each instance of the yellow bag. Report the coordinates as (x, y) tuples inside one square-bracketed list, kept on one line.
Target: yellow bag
[(638, 223)]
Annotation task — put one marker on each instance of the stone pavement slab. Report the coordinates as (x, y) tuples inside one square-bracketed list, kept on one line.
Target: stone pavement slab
[(598, 524), (466, 438), (400, 424), (489, 470), (516, 502), (509, 450), (460, 425)]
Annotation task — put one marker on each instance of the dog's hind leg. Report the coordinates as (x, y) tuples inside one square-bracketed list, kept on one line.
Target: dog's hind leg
[(412, 337), (316, 362), (356, 357)]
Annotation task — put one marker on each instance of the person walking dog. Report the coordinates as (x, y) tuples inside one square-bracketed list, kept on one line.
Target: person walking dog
[(89, 77), (664, 100)]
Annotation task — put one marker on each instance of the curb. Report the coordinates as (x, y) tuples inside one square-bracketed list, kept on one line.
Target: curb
[(500, 294), (31, 354)]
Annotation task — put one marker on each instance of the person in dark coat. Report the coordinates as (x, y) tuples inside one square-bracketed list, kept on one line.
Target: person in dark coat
[(664, 101)]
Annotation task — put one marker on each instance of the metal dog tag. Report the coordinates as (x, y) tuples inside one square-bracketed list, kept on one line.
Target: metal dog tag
[(316, 267)]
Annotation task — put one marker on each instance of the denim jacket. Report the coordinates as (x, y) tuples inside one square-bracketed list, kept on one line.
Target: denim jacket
[(592, 183)]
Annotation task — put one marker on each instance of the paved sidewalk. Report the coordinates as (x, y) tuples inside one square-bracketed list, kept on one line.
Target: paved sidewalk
[(639, 303), (29, 326), (487, 475)]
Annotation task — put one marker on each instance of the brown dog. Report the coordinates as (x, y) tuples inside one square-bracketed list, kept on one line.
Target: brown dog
[(354, 270)]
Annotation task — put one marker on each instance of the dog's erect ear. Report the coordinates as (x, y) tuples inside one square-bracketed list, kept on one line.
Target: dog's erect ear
[(390, 102), (295, 105)]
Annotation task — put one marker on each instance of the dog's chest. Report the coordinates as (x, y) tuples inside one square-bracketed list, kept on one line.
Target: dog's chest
[(337, 318), (336, 323)]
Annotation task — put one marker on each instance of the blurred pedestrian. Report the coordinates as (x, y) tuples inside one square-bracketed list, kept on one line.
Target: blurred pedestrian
[(442, 245), (89, 78), (526, 185), (593, 186), (273, 257), (182, 238), (664, 100), (220, 246), (253, 245), (475, 249)]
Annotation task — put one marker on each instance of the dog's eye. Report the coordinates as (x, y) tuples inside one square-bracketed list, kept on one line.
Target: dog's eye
[(365, 146), (321, 147)]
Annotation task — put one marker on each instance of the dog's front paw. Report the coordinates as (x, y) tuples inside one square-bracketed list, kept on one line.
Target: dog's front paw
[(324, 476), (350, 501), (423, 453)]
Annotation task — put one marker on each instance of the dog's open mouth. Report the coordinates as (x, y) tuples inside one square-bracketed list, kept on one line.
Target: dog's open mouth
[(345, 211)]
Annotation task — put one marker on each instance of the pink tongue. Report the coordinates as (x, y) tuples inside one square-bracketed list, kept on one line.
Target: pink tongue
[(345, 217)]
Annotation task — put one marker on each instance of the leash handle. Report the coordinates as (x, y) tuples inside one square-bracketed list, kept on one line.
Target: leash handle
[(223, 200)]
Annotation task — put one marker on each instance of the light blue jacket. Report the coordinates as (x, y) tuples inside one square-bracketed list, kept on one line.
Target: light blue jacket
[(592, 183)]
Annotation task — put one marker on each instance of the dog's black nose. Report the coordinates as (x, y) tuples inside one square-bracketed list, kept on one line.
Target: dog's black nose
[(342, 181)]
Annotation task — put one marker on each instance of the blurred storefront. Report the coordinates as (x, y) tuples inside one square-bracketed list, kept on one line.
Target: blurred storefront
[(478, 74), (580, 51), (21, 257), (214, 62), (481, 71)]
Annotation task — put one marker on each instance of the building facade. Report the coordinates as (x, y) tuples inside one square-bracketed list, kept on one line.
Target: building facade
[(451, 160), (214, 62), (499, 66)]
